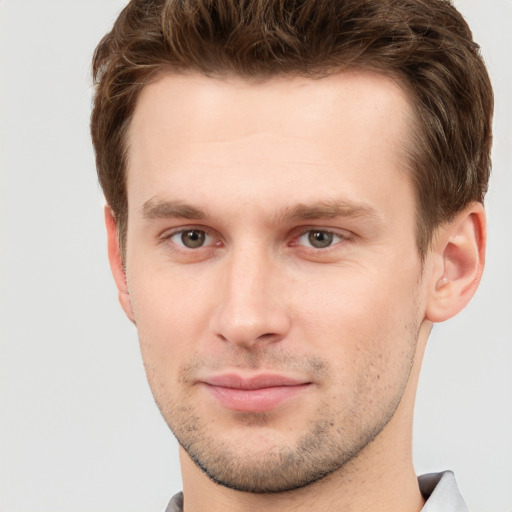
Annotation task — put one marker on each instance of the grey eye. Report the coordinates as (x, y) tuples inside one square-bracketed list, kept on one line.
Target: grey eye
[(320, 239), (193, 238)]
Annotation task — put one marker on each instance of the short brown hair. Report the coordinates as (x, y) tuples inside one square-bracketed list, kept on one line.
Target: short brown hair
[(425, 44)]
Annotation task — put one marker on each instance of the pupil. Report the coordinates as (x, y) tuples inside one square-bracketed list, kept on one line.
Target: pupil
[(193, 238), (320, 239)]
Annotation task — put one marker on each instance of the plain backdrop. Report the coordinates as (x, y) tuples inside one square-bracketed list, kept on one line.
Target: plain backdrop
[(78, 427)]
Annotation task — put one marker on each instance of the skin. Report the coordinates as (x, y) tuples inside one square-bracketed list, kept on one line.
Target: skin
[(308, 270)]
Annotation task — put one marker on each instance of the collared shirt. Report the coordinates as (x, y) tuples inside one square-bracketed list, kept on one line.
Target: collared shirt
[(439, 490)]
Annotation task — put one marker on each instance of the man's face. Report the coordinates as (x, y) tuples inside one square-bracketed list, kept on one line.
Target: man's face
[(272, 268)]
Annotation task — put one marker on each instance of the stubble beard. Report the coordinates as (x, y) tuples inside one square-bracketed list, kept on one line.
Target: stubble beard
[(315, 455), (325, 446)]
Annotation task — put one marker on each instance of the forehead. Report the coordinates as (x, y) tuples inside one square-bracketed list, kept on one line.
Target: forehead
[(310, 133), (199, 102)]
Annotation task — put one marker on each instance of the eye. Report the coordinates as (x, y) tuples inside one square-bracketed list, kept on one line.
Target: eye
[(319, 238), (191, 238)]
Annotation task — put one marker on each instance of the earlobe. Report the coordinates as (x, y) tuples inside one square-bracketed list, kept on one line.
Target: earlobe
[(116, 263), (459, 256)]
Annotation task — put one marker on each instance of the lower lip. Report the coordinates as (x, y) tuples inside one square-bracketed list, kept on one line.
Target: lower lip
[(255, 400)]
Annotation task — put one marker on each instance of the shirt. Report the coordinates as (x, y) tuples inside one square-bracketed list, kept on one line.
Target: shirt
[(439, 490)]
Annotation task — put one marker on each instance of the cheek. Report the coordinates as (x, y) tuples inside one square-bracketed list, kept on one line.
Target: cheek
[(171, 316), (362, 319)]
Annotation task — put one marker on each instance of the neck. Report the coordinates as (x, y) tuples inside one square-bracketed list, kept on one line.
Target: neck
[(381, 478), (359, 485)]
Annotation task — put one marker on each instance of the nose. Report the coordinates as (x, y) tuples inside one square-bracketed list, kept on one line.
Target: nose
[(251, 309)]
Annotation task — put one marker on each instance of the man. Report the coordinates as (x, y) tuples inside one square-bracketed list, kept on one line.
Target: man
[(294, 196)]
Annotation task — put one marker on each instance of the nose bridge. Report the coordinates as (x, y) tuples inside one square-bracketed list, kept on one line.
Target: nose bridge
[(249, 311)]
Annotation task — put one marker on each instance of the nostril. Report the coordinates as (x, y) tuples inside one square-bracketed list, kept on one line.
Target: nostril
[(243, 338), (268, 336)]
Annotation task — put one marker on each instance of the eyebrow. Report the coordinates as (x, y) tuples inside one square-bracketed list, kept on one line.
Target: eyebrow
[(327, 210), (164, 209), (159, 209)]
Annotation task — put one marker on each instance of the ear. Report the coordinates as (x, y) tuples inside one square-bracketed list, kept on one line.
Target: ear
[(116, 263), (458, 252)]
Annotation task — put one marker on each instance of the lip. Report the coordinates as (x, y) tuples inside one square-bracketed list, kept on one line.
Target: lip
[(257, 393)]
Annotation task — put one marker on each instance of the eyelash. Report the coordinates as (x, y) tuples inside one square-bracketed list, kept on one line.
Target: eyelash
[(167, 237), (342, 237)]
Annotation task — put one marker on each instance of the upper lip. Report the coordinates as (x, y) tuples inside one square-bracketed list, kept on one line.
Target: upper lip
[(261, 381)]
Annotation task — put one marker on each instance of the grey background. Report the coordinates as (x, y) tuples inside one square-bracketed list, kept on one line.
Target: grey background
[(78, 427)]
